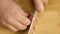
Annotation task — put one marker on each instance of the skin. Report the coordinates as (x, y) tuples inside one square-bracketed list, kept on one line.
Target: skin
[(13, 17)]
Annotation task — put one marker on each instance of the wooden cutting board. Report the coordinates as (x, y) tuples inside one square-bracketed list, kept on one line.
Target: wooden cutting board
[(45, 23)]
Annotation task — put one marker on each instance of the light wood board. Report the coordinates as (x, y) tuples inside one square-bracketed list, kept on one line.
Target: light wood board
[(48, 23)]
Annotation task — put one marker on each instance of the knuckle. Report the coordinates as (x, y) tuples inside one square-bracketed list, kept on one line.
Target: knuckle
[(9, 19)]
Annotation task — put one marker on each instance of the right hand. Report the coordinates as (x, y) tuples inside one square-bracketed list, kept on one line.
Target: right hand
[(40, 4)]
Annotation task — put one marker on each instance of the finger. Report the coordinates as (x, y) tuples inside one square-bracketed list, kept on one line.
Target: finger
[(39, 5), (9, 26), (45, 2), (24, 20), (16, 24)]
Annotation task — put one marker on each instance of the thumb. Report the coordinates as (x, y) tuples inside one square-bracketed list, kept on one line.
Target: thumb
[(39, 5)]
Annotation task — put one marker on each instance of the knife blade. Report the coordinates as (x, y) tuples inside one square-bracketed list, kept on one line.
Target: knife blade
[(35, 21)]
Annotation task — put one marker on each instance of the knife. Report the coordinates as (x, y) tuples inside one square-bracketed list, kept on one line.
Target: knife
[(35, 23)]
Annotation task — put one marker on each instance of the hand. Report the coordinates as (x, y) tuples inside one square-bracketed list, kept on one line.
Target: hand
[(12, 16), (39, 4)]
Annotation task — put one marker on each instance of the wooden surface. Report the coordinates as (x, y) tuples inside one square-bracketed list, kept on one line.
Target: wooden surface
[(49, 21)]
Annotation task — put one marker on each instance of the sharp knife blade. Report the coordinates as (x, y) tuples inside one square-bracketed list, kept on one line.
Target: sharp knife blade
[(33, 21)]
